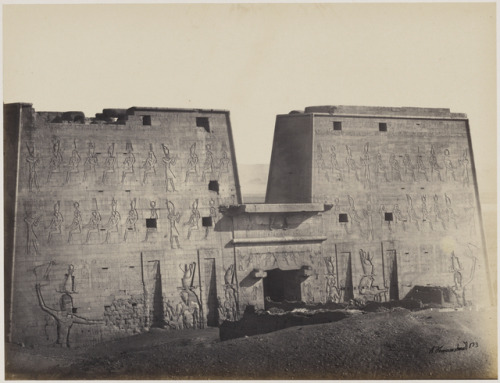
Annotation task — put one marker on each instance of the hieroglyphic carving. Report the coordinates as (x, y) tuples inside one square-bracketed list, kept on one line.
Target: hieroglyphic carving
[(90, 162), (32, 222), (192, 163), (354, 217), (32, 161), (173, 219), (129, 161), (449, 213), (56, 222), (399, 218), (168, 162), (336, 169), (74, 162), (131, 220), (149, 165), (109, 163), (194, 219), (76, 224), (113, 222), (56, 160), (228, 309)]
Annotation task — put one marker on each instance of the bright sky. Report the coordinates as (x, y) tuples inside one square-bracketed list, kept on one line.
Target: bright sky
[(258, 61)]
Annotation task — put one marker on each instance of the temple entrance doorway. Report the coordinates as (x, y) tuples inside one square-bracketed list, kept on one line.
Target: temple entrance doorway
[(281, 285)]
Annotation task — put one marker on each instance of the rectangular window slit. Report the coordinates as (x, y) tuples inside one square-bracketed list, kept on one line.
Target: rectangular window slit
[(388, 216), (337, 125), (151, 223), (382, 126), (206, 221), (146, 120), (343, 217), (202, 122)]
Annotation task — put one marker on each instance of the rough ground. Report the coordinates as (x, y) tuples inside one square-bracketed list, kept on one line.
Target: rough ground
[(396, 344)]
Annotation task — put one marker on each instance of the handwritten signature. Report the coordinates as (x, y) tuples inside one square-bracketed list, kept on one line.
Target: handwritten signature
[(465, 346)]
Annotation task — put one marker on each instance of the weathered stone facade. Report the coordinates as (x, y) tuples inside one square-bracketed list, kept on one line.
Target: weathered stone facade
[(120, 213), (134, 218), (400, 209)]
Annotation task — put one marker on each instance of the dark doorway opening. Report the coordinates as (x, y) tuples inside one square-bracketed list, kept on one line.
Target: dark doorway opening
[(349, 288), (212, 314), (281, 285), (393, 274)]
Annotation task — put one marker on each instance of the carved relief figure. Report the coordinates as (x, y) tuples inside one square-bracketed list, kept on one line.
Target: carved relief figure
[(149, 165), (331, 289), (459, 287), (421, 169), (65, 318), (351, 164), (56, 222), (365, 162), (109, 163), (153, 216), (131, 220), (193, 223), (337, 171), (464, 164), (470, 213), (449, 213), (192, 164), (188, 275), (381, 168), (398, 217), (320, 163), (395, 168), (74, 162), (355, 219), (412, 215), (76, 225), (208, 165), (224, 163), (32, 239), (128, 163), (56, 160), (168, 162), (32, 161), (173, 219), (449, 167), (68, 284), (426, 219), (409, 168), (434, 165), (438, 213), (94, 222), (113, 222), (90, 162), (366, 287), (213, 215)]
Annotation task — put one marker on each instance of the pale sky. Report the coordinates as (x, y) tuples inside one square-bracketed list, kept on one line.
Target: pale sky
[(258, 61)]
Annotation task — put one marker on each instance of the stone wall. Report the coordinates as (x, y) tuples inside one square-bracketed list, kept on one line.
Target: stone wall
[(119, 212)]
